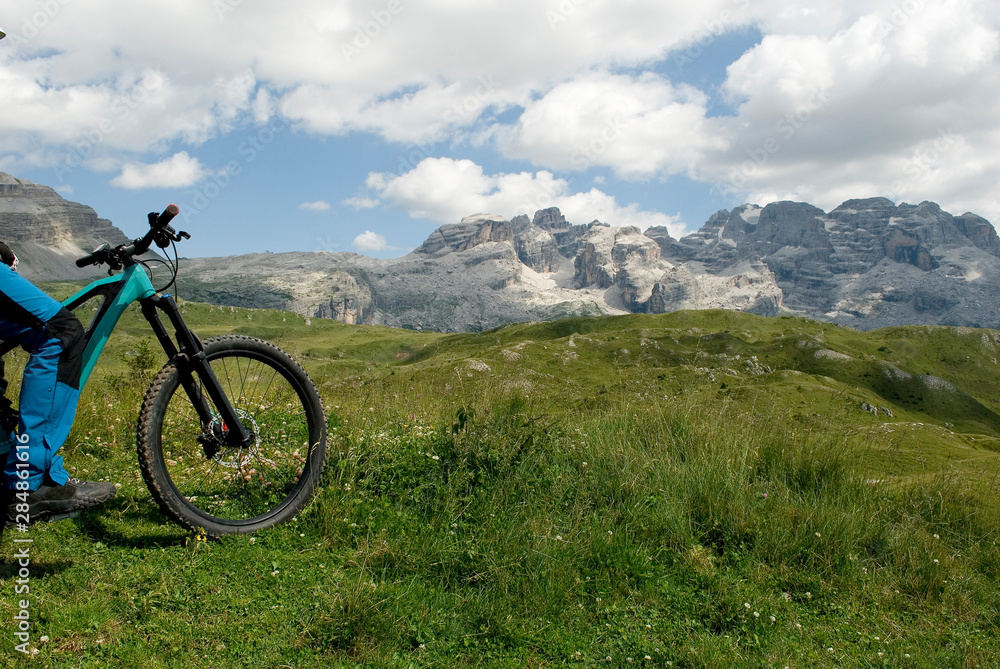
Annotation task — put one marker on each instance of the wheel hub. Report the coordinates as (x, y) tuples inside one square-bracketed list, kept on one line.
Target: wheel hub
[(232, 457)]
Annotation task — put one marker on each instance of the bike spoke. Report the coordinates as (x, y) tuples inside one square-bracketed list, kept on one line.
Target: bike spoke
[(239, 483)]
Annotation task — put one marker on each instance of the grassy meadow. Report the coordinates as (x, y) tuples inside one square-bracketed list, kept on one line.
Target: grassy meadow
[(696, 489)]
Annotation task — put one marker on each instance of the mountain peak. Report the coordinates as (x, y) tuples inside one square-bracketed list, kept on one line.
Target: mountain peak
[(866, 204), (9, 180), (482, 217)]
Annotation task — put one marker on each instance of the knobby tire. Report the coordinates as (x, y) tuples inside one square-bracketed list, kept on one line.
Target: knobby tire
[(237, 490)]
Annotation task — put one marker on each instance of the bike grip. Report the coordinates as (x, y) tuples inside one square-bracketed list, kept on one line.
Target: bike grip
[(168, 214), (91, 258)]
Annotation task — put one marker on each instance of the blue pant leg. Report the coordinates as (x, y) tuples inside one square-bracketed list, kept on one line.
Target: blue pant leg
[(47, 409), (50, 386)]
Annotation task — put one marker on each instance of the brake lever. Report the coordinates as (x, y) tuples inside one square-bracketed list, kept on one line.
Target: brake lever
[(167, 235), (112, 259)]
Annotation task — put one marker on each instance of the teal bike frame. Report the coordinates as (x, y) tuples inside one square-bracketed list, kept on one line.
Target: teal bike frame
[(119, 292), (186, 353)]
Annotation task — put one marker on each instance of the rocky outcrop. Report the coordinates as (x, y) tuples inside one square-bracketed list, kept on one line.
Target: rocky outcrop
[(868, 263), (535, 243), (471, 231), (348, 298), (979, 231), (48, 232)]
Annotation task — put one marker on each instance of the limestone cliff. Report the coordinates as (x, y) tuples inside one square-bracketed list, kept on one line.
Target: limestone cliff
[(48, 232)]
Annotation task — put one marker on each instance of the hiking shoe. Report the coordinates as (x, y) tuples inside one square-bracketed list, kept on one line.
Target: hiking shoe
[(54, 502)]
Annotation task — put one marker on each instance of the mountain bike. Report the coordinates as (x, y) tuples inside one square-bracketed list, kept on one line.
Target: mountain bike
[(231, 435)]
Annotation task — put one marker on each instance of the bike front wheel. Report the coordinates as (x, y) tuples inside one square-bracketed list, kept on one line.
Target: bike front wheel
[(234, 489)]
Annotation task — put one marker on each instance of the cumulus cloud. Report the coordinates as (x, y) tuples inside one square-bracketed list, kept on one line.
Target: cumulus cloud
[(639, 125), (901, 102), (355, 66), (446, 190), (853, 98), (370, 242), (416, 114), (178, 171), (361, 202), (318, 205)]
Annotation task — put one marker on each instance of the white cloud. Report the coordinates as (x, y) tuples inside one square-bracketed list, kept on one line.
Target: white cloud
[(370, 242), (361, 202), (403, 81), (445, 190), (318, 205), (903, 101), (638, 125), (418, 114), (178, 171), (844, 98)]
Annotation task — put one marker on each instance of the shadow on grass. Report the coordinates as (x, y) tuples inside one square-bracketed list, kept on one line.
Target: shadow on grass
[(129, 522), (39, 568)]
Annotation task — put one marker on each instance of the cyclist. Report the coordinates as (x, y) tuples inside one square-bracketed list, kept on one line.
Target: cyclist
[(54, 338)]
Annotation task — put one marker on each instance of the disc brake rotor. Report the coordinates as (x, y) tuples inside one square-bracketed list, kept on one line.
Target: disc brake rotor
[(235, 457)]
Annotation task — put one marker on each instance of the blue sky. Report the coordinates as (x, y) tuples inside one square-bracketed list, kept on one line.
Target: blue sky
[(362, 126)]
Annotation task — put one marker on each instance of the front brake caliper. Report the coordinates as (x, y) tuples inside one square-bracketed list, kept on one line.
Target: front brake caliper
[(213, 437), (209, 445)]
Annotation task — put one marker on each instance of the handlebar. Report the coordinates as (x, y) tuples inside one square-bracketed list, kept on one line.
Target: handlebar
[(160, 232), (93, 258), (168, 214)]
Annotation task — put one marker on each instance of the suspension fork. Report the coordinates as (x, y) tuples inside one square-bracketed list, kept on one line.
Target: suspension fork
[(188, 355)]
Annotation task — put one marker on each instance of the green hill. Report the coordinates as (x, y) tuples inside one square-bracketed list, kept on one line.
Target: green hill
[(694, 489), (935, 384)]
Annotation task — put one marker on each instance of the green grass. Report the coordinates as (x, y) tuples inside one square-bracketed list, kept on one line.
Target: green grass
[(698, 488)]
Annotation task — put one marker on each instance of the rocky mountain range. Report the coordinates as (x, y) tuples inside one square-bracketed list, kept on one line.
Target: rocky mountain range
[(867, 264)]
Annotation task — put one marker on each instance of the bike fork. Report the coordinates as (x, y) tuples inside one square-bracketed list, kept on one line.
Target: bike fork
[(188, 355)]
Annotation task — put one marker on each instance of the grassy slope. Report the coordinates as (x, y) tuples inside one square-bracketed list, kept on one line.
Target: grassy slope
[(563, 493), (814, 374)]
